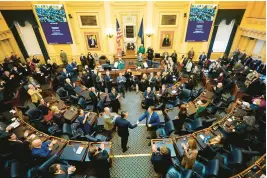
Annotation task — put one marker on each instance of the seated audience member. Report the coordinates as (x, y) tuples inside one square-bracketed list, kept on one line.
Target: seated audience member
[(158, 81), (139, 63), (62, 171), (58, 116), (35, 60), (237, 67), (74, 66), (121, 80), (30, 65), (217, 90), (35, 94), (182, 115), (163, 93), (190, 154), (100, 82), (114, 103), (70, 69), (149, 97), (65, 74), (161, 159), (143, 83), (108, 81), (108, 121), (99, 158), (83, 119), (254, 86), (202, 58), (201, 107), (47, 113), (188, 66), (220, 78), (39, 76), (69, 87), (19, 148), (90, 60), (152, 81), (87, 79), (136, 82), (190, 83), (42, 149), (120, 64), (95, 97), (18, 75), (83, 60)]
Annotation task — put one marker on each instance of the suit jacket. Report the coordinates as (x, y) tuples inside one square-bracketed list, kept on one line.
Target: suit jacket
[(69, 68), (108, 81), (94, 98), (65, 75), (35, 95), (123, 126), (161, 162), (150, 95), (154, 120), (70, 89), (121, 81), (202, 57)]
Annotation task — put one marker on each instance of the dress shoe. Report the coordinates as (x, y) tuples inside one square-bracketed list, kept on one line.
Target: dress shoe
[(127, 148), (149, 144), (148, 137)]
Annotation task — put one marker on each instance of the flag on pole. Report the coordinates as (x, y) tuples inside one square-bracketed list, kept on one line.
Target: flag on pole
[(141, 32), (119, 33)]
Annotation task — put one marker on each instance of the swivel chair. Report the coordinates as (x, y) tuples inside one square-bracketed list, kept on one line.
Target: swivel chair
[(174, 173), (193, 125), (166, 131), (210, 169), (34, 115)]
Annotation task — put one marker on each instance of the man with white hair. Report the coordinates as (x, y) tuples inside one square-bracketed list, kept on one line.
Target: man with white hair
[(42, 149), (108, 121), (94, 97), (35, 94), (69, 87)]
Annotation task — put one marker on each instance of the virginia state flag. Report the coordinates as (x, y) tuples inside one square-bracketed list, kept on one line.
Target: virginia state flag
[(141, 32)]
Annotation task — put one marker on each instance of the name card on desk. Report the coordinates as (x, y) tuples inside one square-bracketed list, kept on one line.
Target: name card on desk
[(79, 150)]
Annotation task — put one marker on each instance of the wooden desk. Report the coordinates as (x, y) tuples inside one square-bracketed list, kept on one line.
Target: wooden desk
[(69, 152), (192, 109), (164, 142), (71, 114), (59, 146), (83, 92), (50, 99), (207, 94), (262, 162), (206, 133), (129, 59), (54, 101)]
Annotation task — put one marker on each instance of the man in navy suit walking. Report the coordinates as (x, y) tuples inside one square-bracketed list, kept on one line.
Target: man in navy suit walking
[(123, 131), (152, 122)]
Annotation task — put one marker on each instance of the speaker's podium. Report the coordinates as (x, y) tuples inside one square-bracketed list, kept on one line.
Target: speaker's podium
[(129, 59)]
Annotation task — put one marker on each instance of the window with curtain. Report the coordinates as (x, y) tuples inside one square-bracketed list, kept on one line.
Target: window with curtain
[(258, 47), (28, 38), (223, 36)]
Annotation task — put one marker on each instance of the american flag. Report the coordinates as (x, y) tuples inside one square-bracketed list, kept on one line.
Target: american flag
[(119, 33)]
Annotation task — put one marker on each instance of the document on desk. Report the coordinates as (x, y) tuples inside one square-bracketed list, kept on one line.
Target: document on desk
[(202, 136), (79, 150)]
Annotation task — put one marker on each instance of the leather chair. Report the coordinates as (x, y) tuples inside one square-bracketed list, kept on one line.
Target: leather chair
[(174, 173), (193, 125), (62, 94), (66, 129), (185, 95), (16, 170), (100, 106), (85, 104), (210, 169), (34, 114), (166, 131), (74, 100), (42, 170), (231, 161)]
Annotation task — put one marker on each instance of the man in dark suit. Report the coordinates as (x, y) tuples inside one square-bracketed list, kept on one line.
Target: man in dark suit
[(152, 122), (69, 87), (108, 81), (166, 41), (94, 97), (174, 56), (83, 60), (123, 131), (121, 80), (161, 159), (99, 158), (92, 42), (202, 58), (149, 97)]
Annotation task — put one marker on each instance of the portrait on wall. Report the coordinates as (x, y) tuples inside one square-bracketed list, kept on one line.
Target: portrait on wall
[(92, 41), (166, 39)]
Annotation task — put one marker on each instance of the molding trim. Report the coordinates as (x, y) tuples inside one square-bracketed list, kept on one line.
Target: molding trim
[(258, 34), (5, 35)]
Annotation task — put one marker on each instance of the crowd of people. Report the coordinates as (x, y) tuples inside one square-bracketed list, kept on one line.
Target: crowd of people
[(51, 14), (158, 90)]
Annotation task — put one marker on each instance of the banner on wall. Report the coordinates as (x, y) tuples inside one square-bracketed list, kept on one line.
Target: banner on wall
[(54, 23), (200, 20)]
